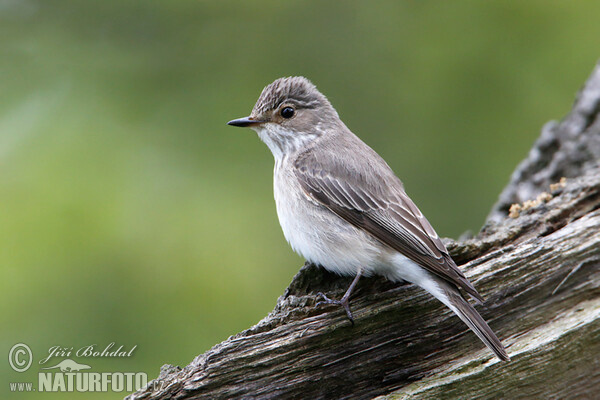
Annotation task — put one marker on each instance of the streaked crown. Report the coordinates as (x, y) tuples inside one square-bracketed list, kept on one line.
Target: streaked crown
[(295, 90), (289, 114)]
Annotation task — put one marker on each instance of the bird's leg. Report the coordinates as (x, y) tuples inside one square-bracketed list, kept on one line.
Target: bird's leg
[(345, 300)]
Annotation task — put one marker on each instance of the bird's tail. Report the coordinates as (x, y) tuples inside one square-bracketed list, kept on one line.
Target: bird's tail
[(450, 295), (452, 298)]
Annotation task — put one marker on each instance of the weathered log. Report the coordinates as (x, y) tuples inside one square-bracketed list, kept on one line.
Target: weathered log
[(564, 149), (540, 274)]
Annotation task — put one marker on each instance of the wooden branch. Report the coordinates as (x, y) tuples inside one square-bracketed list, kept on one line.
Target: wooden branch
[(564, 149), (540, 274)]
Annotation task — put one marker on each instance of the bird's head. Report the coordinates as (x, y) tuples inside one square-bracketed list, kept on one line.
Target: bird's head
[(289, 114)]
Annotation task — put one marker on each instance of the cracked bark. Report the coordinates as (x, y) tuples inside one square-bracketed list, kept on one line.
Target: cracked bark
[(539, 273)]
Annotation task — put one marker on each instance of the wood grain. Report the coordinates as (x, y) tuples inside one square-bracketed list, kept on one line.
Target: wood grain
[(539, 274)]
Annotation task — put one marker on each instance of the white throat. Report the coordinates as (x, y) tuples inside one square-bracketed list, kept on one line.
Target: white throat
[(281, 141)]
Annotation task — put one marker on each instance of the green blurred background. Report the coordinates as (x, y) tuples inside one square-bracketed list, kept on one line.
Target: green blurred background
[(129, 211)]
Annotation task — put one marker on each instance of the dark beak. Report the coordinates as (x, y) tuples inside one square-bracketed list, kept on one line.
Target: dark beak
[(244, 122)]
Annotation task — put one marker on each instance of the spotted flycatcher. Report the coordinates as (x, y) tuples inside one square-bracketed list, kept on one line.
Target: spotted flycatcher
[(341, 206)]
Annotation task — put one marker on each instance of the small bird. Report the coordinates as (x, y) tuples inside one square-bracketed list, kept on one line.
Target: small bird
[(341, 206)]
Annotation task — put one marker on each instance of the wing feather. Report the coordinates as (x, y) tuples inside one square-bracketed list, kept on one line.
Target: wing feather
[(384, 210)]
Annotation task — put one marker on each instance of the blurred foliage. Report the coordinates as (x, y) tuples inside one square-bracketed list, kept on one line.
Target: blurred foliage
[(131, 213)]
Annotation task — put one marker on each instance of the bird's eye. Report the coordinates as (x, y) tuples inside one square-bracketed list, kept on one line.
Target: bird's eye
[(287, 112)]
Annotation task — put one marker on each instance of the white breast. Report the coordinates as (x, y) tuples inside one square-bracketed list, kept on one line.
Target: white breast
[(317, 233)]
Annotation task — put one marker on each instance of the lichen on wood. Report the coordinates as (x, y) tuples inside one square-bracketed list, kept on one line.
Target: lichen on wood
[(539, 273)]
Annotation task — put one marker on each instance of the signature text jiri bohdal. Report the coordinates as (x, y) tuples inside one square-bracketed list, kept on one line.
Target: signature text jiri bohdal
[(92, 350)]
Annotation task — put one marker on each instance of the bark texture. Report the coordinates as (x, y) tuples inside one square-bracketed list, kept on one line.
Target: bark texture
[(564, 149), (539, 273)]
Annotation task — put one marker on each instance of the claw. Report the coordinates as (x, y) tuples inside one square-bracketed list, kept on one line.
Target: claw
[(344, 303), (326, 300)]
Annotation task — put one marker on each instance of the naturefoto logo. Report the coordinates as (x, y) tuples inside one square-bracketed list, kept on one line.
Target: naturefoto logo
[(69, 366), (69, 375)]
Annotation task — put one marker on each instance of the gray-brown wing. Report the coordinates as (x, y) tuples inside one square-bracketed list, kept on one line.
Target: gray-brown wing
[(385, 211)]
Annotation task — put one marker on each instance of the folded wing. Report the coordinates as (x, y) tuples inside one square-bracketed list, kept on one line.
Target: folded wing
[(378, 204)]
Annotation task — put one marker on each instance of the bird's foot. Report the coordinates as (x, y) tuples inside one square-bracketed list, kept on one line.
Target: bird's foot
[(343, 302)]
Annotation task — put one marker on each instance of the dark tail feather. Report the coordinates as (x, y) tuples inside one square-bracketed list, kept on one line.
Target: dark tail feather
[(474, 321)]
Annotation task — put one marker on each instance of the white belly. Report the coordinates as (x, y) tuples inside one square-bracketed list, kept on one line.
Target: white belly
[(319, 235)]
